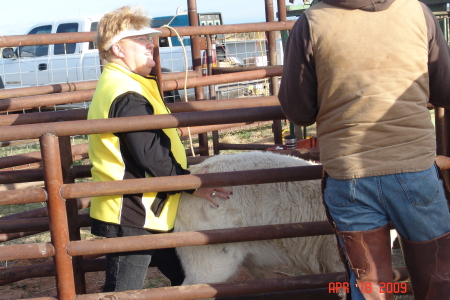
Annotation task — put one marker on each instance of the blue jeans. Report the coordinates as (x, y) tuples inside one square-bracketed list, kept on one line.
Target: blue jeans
[(127, 270), (415, 202)]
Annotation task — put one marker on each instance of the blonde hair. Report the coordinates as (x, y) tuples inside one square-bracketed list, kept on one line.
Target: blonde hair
[(112, 23)]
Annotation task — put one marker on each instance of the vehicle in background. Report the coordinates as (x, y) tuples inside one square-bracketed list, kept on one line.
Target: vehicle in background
[(27, 66)]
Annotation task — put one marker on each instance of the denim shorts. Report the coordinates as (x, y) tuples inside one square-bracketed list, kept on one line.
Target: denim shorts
[(415, 202)]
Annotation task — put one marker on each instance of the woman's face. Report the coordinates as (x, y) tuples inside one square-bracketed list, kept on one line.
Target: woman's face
[(138, 54)]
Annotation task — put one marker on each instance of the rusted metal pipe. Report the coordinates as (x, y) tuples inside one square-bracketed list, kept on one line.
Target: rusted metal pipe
[(441, 136), (216, 290), (72, 212), (144, 122), (20, 159), (233, 28), (179, 75), (35, 224), (272, 61), (204, 237), (27, 251), (20, 176), (18, 104), (32, 157), (17, 143), (183, 131), (46, 39), (281, 4), (35, 213), (85, 170), (43, 117), (79, 37), (4, 237), (156, 70), (37, 165), (31, 102), (224, 78), (45, 269), (74, 86), (20, 186), (322, 294), (186, 182), (65, 282), (34, 195), (81, 114), (197, 66), (43, 212), (224, 104), (48, 89), (218, 70), (35, 156)]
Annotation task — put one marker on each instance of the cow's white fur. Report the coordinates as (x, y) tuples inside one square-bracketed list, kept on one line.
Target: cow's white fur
[(252, 205)]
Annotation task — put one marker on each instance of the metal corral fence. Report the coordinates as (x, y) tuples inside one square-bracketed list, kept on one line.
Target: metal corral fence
[(54, 167)]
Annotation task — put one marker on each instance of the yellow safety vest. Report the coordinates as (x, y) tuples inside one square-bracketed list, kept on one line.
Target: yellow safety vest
[(104, 149)]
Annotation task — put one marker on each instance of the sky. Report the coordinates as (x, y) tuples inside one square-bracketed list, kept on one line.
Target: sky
[(21, 16)]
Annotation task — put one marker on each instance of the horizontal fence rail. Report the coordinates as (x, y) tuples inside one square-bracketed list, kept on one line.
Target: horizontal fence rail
[(125, 124), (186, 182), (80, 96), (75, 86), (199, 291), (81, 114), (79, 37), (204, 237)]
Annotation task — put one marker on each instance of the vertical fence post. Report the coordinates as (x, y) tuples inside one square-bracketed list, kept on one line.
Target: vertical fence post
[(197, 65), (72, 213), (59, 230), (212, 93), (272, 60), (156, 70), (441, 137)]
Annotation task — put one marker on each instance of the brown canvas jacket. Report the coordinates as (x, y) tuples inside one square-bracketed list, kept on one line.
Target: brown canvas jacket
[(299, 90)]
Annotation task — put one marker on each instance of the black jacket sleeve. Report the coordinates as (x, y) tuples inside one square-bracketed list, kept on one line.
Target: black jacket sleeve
[(438, 61), (147, 150), (298, 89)]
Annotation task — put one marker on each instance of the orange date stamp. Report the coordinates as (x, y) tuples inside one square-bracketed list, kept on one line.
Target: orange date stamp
[(366, 287)]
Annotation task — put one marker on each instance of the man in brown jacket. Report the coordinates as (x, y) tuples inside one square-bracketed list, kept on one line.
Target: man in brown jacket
[(364, 71)]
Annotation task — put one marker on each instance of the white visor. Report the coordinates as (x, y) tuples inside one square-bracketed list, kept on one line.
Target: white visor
[(131, 32)]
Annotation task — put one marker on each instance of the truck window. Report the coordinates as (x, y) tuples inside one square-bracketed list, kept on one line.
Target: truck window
[(66, 48), (93, 45), (33, 51)]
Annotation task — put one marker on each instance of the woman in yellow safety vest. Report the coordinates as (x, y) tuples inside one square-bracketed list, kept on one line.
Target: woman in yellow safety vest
[(126, 89)]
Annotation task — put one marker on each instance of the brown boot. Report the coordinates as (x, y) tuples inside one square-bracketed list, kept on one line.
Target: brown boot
[(369, 256), (428, 264)]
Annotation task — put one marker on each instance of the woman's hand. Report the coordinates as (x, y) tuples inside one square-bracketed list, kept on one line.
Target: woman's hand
[(210, 193)]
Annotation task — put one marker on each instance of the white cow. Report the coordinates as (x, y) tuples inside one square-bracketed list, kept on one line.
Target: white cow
[(253, 205)]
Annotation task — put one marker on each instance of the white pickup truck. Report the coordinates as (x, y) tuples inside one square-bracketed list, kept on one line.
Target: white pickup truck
[(27, 66)]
